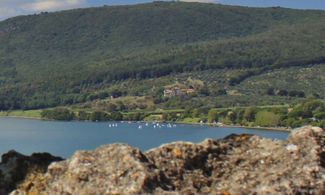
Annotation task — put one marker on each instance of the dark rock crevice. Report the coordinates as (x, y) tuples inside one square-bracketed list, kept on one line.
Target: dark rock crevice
[(15, 167)]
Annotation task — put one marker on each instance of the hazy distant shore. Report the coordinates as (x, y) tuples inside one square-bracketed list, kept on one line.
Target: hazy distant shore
[(185, 123)]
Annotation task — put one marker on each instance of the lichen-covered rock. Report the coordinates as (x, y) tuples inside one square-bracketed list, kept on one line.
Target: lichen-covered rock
[(15, 167), (112, 169), (238, 164)]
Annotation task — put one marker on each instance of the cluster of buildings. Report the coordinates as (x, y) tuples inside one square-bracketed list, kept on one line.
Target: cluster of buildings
[(176, 90)]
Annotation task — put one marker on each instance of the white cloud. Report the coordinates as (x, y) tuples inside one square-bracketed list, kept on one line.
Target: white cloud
[(49, 5), (201, 1), (10, 8), (6, 12)]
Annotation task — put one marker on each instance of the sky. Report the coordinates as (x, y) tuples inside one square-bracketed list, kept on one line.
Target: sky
[(10, 8)]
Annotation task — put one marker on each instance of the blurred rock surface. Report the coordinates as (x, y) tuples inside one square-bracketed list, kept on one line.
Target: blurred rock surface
[(237, 164)]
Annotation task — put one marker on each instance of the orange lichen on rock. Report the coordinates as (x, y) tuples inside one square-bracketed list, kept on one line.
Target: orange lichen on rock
[(177, 152)]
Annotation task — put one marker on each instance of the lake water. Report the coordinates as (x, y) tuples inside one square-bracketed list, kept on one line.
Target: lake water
[(64, 138)]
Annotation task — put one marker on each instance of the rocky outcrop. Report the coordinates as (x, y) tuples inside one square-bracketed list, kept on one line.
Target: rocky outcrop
[(112, 169), (238, 164), (15, 167)]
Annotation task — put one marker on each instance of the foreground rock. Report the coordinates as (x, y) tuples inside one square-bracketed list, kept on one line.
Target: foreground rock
[(243, 164), (14, 168)]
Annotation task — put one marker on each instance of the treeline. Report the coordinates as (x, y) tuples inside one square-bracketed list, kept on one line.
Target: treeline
[(284, 92), (11, 99), (310, 112), (64, 114), (307, 113)]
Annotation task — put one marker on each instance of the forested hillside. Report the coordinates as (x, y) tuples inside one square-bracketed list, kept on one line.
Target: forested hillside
[(69, 57)]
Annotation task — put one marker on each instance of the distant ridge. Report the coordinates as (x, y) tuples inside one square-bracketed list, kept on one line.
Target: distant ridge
[(48, 57)]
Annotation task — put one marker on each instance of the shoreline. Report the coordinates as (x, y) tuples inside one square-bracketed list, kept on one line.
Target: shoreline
[(238, 126), (262, 128), (22, 117), (283, 129)]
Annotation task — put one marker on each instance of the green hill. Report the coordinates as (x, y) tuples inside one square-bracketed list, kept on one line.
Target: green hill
[(66, 57)]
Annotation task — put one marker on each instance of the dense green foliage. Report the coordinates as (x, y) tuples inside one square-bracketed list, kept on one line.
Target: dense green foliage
[(64, 114), (212, 116), (267, 119), (76, 56), (58, 114), (308, 112), (251, 92)]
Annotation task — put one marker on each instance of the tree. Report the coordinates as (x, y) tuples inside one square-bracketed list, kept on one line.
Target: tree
[(232, 116), (212, 115), (195, 112), (249, 114), (82, 115), (136, 116), (295, 93), (99, 116), (115, 92), (316, 95), (293, 123), (319, 115), (267, 119), (164, 116), (111, 107), (103, 95), (58, 114), (239, 116), (116, 116), (299, 112), (282, 92), (314, 105), (221, 92), (269, 91), (204, 90)]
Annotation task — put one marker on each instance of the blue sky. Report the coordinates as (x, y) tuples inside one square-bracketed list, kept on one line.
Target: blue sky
[(10, 8)]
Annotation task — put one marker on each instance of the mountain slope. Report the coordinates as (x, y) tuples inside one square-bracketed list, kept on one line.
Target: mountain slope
[(45, 57)]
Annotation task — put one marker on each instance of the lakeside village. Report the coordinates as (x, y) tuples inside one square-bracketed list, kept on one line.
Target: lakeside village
[(146, 109), (307, 112), (178, 90)]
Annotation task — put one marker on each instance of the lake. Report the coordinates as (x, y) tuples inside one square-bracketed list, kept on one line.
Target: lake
[(64, 138)]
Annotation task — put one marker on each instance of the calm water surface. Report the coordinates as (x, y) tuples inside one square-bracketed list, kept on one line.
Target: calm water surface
[(64, 138)]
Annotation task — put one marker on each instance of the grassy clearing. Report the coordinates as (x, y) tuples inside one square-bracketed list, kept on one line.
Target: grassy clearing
[(242, 107), (22, 113), (153, 118), (190, 120)]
